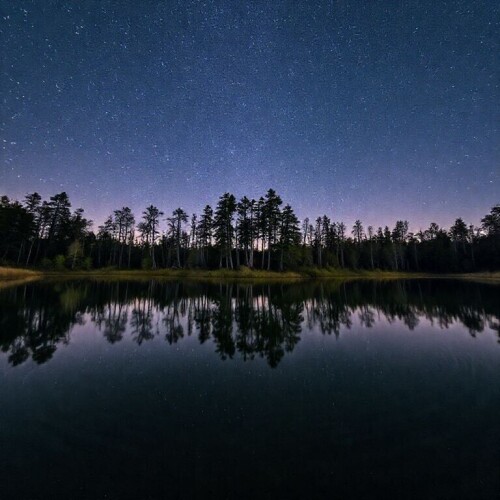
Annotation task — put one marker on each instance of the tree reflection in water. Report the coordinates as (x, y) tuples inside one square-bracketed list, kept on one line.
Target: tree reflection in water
[(251, 320)]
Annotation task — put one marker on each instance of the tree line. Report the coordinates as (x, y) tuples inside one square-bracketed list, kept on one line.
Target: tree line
[(259, 234)]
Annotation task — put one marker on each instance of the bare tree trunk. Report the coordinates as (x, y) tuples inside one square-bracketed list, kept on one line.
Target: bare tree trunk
[(169, 255), (236, 250), (29, 252), (162, 247), (37, 250), (152, 252), (120, 258), (74, 260), (20, 252), (262, 260), (203, 256)]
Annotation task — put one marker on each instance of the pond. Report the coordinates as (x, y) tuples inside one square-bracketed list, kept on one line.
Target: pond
[(317, 389)]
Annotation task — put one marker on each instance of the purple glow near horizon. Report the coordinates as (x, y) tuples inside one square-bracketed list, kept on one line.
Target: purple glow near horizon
[(354, 110)]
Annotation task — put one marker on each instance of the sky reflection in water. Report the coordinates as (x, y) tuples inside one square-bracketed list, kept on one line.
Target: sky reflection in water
[(118, 390)]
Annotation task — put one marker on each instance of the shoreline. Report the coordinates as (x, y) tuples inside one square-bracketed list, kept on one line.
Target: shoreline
[(9, 274)]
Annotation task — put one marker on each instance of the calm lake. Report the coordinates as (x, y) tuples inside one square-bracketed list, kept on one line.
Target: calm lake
[(320, 389)]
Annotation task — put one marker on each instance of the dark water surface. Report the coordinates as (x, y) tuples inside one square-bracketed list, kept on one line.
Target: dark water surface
[(153, 390)]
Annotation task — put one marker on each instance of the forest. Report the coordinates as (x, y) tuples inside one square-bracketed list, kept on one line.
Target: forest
[(259, 234)]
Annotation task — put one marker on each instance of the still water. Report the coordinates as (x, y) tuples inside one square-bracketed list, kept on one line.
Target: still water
[(153, 390)]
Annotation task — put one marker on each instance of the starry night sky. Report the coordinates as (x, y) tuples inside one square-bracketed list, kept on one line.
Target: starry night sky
[(378, 110)]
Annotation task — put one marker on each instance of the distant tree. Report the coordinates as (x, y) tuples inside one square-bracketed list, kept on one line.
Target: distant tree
[(59, 215), (205, 232), (254, 231), (358, 231), (318, 240), (400, 231), (459, 232), (193, 237), (244, 226), (223, 228), (433, 231), (76, 234), (129, 223), (75, 252), (149, 229), (491, 222), (123, 227), (271, 216), (472, 239), (105, 240), (399, 236), (260, 226), (341, 237), (289, 232), (370, 239), (175, 223), (16, 229), (116, 234), (305, 231), (33, 204)]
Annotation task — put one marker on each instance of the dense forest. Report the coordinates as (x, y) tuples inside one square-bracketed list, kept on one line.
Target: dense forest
[(258, 234)]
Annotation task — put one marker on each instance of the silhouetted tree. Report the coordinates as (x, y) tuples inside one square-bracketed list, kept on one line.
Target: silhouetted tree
[(48, 233), (491, 222), (358, 231), (244, 226), (123, 225), (223, 228), (271, 220), (175, 223), (149, 229), (289, 232), (205, 232)]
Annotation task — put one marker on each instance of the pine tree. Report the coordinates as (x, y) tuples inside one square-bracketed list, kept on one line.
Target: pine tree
[(223, 228)]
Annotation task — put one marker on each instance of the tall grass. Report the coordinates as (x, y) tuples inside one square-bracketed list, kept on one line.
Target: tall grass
[(14, 273), (244, 274)]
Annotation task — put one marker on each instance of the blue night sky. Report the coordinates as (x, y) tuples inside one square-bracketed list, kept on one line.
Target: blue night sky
[(378, 110)]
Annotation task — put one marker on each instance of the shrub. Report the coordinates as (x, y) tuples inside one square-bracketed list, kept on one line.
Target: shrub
[(147, 263), (59, 262), (46, 264)]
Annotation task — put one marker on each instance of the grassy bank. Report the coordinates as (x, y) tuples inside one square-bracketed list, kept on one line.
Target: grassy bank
[(227, 274), (243, 274), (482, 277), (14, 273), (11, 276)]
